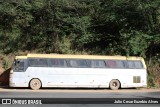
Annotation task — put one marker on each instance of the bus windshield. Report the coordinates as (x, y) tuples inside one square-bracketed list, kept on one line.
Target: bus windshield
[(15, 64), (18, 65)]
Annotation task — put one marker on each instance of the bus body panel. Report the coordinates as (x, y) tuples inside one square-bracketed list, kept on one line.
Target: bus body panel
[(79, 77), (87, 77)]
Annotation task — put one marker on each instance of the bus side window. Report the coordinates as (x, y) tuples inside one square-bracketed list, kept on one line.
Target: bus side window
[(98, 64), (42, 62), (31, 62), (135, 64), (37, 63), (115, 64), (73, 63), (120, 64), (89, 63), (131, 64), (111, 64), (57, 62), (82, 63), (78, 63), (138, 64)]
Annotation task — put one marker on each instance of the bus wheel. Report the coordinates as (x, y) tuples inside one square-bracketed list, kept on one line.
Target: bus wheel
[(35, 84), (114, 85)]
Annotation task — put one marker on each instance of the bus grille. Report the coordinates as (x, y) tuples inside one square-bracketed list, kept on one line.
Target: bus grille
[(136, 79)]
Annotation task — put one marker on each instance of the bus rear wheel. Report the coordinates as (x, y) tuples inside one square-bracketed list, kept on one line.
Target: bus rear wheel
[(35, 84), (114, 84)]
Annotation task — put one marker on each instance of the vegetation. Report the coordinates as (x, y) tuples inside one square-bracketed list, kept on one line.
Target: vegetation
[(107, 27)]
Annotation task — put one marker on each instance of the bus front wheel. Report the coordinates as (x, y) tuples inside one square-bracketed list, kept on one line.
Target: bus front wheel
[(35, 84), (114, 84)]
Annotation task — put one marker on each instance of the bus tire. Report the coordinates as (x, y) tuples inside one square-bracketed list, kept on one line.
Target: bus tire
[(114, 84), (35, 84)]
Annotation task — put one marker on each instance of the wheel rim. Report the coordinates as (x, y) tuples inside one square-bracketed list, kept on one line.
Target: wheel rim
[(114, 84), (35, 84)]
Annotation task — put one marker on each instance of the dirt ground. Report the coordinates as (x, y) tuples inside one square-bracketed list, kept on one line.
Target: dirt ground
[(1, 69), (4, 77)]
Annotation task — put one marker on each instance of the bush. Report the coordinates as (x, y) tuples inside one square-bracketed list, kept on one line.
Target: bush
[(150, 81), (6, 63), (154, 73)]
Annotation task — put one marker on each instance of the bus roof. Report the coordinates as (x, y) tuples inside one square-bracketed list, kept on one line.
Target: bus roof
[(21, 57), (67, 56)]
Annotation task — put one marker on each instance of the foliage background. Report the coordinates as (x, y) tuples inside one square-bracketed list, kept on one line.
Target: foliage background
[(104, 27)]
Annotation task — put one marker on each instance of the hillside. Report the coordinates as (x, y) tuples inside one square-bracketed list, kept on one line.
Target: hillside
[(96, 27)]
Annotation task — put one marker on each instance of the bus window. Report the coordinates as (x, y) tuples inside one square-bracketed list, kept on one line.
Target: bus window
[(138, 64), (131, 64), (57, 62), (19, 66), (37, 63), (82, 63), (115, 64), (78, 63), (135, 64), (120, 64), (98, 64), (89, 63), (111, 64)]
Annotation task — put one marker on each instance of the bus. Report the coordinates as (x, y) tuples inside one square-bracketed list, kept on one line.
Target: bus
[(78, 71)]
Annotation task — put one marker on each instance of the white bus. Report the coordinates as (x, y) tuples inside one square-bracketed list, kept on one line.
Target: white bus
[(85, 71)]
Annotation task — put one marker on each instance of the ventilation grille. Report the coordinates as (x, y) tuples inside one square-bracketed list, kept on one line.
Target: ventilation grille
[(136, 79)]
